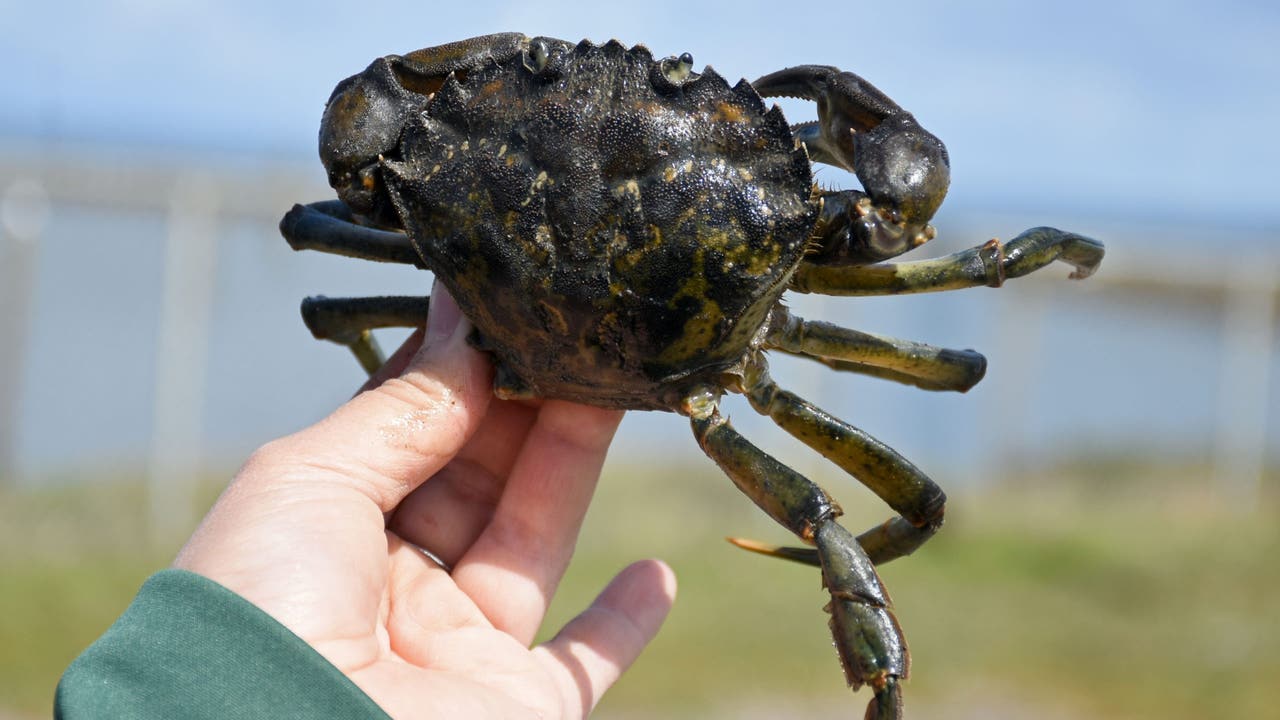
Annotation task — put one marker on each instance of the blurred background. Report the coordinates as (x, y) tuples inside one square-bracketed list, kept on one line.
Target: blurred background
[(1111, 540)]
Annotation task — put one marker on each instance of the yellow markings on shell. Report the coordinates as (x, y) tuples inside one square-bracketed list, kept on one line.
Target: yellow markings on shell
[(754, 261), (728, 112), (765, 208), (543, 247), (698, 330), (730, 241), (535, 186), (675, 171), (672, 171), (630, 189), (618, 243), (691, 213), (624, 262)]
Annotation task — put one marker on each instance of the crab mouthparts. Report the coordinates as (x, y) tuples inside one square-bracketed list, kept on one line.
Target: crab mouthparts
[(885, 233)]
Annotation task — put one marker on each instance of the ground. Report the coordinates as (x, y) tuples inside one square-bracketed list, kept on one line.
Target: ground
[(1051, 595)]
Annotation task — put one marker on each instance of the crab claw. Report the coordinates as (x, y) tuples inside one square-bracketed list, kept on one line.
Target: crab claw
[(903, 168), (366, 113)]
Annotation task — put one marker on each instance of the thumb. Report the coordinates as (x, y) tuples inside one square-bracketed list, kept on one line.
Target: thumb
[(388, 439)]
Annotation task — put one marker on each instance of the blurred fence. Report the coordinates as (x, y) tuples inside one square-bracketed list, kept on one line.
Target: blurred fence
[(157, 257), (194, 203)]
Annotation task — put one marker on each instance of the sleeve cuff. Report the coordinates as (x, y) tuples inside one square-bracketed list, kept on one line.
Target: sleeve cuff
[(188, 647)]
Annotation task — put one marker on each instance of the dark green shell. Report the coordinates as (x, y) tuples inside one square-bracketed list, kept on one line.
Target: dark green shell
[(614, 236)]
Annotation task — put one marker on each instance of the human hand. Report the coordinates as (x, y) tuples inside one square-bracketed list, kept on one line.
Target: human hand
[(323, 531)]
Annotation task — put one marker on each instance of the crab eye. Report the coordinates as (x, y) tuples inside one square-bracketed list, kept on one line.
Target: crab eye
[(539, 53), (679, 70)]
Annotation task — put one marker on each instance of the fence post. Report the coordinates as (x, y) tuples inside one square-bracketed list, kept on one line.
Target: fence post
[(181, 358), (24, 212), (1248, 332)]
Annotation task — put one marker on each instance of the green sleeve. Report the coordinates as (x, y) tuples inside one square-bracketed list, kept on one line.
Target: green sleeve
[(189, 648)]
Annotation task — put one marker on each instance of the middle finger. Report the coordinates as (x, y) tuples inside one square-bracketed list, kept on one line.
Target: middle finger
[(448, 512)]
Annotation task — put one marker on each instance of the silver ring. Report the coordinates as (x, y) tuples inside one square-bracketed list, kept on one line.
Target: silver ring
[(434, 558)]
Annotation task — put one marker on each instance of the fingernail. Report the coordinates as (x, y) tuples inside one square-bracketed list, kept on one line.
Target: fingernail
[(443, 316)]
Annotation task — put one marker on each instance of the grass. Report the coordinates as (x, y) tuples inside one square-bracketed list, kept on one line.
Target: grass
[(1139, 598)]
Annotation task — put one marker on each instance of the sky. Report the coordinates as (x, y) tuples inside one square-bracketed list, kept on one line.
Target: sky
[(1166, 108)]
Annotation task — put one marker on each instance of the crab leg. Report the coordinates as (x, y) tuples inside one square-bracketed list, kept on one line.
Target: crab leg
[(348, 321), (917, 499), (989, 264), (867, 637), (898, 482), (328, 226), (924, 366)]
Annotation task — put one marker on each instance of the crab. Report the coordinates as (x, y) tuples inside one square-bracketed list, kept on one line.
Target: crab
[(620, 229)]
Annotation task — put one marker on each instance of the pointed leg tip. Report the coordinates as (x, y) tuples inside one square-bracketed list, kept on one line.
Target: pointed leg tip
[(752, 545), (805, 556)]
